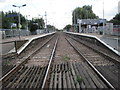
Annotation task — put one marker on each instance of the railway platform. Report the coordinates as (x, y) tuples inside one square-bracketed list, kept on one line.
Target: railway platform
[(58, 61), (111, 41), (21, 38), (8, 45)]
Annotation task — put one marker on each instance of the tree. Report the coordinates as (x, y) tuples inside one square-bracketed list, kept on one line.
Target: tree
[(50, 27), (35, 24), (41, 23), (83, 13), (116, 19), (67, 27), (11, 17)]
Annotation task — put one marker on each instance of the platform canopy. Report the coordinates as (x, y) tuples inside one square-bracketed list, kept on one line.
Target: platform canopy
[(92, 21)]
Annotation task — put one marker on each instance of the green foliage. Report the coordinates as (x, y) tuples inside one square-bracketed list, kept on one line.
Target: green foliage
[(40, 22), (66, 58), (67, 27), (33, 26), (83, 13), (79, 79), (7, 19), (116, 19), (50, 27)]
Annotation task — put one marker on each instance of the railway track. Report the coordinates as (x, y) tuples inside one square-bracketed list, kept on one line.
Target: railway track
[(95, 44), (72, 71), (107, 65), (11, 60), (57, 64), (30, 71)]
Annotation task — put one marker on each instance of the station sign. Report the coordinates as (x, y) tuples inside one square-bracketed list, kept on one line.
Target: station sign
[(11, 15), (13, 24)]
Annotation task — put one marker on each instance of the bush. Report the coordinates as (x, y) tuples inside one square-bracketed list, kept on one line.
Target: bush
[(101, 32)]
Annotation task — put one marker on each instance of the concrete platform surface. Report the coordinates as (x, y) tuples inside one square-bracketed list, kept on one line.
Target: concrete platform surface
[(113, 41), (8, 45), (17, 38)]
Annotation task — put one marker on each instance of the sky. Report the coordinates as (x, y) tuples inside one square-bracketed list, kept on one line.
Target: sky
[(59, 12)]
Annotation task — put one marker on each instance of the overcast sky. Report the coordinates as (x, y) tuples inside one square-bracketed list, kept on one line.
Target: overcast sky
[(59, 12)]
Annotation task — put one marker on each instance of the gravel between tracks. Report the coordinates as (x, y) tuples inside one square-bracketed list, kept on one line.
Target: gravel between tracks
[(69, 70), (109, 69)]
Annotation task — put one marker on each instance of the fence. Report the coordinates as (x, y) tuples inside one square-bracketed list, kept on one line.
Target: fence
[(23, 32), (14, 32), (116, 30)]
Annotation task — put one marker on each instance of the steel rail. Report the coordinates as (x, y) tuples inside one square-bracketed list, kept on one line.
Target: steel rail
[(50, 61), (10, 73), (100, 52), (92, 66)]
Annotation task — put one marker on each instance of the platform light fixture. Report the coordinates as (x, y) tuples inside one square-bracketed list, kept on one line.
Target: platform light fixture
[(19, 25)]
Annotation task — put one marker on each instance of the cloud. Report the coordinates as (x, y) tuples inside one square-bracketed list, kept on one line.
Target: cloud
[(59, 12), (2, 1)]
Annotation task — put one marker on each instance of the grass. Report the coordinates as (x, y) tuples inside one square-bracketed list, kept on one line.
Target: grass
[(79, 79), (66, 58)]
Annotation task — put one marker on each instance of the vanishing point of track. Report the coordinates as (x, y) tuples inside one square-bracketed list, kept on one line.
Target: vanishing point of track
[(58, 63)]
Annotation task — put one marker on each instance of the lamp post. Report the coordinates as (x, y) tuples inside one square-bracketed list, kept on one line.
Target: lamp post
[(27, 22), (38, 21), (46, 21), (74, 21), (53, 27), (19, 17)]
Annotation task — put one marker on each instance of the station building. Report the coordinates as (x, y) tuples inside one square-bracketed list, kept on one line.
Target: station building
[(90, 25), (99, 26)]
